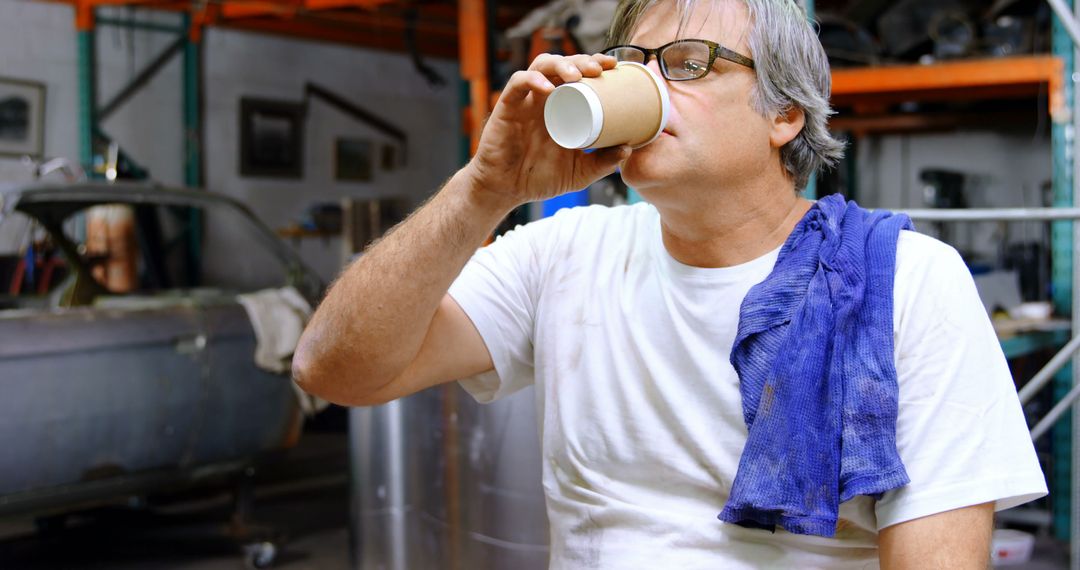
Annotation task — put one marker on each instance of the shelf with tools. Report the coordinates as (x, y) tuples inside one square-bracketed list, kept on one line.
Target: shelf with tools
[(866, 98), (994, 93)]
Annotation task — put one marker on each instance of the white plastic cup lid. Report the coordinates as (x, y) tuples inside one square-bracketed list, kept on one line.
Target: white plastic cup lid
[(574, 116)]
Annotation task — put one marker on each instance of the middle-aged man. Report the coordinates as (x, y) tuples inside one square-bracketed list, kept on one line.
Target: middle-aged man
[(729, 376)]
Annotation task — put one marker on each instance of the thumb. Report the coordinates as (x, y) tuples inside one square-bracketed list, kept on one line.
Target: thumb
[(598, 164)]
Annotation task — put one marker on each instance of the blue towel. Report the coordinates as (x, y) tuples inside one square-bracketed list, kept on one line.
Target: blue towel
[(814, 355)]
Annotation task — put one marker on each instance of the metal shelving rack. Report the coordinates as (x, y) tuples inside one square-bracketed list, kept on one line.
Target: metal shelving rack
[(873, 88)]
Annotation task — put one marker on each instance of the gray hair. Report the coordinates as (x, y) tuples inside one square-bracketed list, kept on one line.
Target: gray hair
[(792, 72)]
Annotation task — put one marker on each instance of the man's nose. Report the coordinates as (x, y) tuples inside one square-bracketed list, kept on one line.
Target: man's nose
[(654, 65)]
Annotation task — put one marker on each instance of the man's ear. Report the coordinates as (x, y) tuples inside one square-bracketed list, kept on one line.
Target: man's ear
[(786, 125)]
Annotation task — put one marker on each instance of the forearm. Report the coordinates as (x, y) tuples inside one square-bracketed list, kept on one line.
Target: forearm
[(374, 318)]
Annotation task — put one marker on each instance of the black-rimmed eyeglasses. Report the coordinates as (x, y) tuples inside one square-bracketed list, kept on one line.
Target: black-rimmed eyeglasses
[(680, 60)]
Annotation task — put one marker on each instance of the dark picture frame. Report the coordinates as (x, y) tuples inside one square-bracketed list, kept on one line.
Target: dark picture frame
[(354, 159), (22, 118), (271, 138)]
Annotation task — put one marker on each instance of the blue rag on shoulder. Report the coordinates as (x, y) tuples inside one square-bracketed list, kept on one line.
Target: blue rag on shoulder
[(814, 355)]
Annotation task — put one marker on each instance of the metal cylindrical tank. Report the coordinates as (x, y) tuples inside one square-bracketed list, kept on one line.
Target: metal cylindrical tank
[(441, 482)]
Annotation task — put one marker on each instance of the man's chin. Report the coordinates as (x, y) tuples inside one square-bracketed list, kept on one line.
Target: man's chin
[(646, 168)]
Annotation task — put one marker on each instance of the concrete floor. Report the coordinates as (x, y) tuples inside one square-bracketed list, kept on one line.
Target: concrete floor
[(301, 503)]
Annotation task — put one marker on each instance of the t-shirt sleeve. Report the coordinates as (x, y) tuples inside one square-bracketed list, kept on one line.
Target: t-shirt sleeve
[(961, 432), (498, 290)]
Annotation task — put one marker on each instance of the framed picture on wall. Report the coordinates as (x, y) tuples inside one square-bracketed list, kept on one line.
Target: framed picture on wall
[(271, 138), (22, 118), (354, 159)]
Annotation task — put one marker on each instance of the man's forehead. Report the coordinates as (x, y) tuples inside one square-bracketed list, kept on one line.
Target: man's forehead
[(722, 21)]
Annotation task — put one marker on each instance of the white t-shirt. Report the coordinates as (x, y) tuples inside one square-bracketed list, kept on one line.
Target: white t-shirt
[(640, 414)]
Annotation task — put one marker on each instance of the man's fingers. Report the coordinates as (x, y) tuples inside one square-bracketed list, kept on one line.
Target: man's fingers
[(524, 82), (543, 61), (593, 65), (569, 69), (604, 161), (605, 61)]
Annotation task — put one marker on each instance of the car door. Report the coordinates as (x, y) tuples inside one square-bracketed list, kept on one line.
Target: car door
[(89, 392), (250, 410)]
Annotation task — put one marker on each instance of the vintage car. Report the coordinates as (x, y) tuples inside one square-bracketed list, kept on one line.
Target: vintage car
[(126, 362)]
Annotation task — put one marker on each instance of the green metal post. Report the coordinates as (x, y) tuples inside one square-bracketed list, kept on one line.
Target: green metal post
[(1062, 273), (193, 174), (87, 99), (192, 122), (811, 185), (465, 97)]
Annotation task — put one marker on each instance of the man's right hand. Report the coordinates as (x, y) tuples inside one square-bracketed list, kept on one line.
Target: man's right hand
[(387, 327), (517, 161)]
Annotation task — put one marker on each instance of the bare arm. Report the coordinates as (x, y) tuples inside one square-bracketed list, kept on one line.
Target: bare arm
[(387, 328), (374, 320), (958, 539)]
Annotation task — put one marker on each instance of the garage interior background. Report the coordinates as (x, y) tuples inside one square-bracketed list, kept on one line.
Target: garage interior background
[(995, 144)]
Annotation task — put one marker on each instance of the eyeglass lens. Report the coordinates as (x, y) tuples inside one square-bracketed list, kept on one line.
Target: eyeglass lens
[(681, 60)]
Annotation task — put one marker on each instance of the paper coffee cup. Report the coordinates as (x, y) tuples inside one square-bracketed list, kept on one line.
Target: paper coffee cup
[(625, 105)]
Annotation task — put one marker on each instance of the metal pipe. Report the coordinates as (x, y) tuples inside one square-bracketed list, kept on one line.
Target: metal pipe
[(1066, 453), (1055, 413), (993, 214), (87, 99), (142, 79), (810, 192), (1070, 90), (373, 120), (1047, 373), (193, 140), (1065, 15), (397, 480)]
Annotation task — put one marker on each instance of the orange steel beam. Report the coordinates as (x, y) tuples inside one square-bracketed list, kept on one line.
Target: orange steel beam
[(473, 46), (337, 4), (141, 3), (286, 8), (987, 78), (435, 45), (384, 22), (84, 15), (208, 15), (312, 20)]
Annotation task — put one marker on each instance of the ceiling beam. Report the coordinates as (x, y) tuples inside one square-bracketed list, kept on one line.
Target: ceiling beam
[(390, 23), (434, 45), (376, 24), (286, 8)]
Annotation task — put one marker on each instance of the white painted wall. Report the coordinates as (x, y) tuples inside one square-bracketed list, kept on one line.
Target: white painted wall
[(242, 64), (38, 42), (148, 125)]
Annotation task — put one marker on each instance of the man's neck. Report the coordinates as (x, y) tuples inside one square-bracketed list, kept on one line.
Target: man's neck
[(736, 227)]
